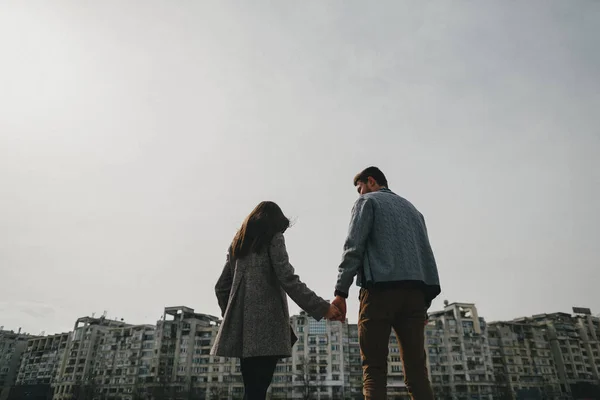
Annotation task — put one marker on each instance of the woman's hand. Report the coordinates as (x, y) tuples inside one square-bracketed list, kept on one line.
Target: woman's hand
[(334, 313)]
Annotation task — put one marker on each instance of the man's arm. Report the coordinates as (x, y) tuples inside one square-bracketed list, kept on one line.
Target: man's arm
[(361, 224)]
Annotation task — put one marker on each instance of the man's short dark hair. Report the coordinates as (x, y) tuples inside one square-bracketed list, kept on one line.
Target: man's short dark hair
[(374, 173)]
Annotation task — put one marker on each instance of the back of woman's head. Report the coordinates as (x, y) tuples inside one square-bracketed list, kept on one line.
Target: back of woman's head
[(258, 229)]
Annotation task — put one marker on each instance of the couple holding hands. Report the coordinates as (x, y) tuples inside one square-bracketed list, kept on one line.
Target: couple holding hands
[(387, 250)]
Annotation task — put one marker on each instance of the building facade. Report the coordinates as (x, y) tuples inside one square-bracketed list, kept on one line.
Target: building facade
[(459, 357), (183, 365), (76, 374), (571, 346), (324, 364), (42, 360), (549, 356), (124, 361), (12, 346), (523, 361)]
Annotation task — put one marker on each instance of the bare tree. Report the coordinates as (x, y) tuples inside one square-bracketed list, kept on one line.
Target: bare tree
[(303, 377), (162, 389), (86, 389), (502, 389), (217, 392)]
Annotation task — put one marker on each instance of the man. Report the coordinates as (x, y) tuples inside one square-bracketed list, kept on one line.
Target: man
[(388, 248)]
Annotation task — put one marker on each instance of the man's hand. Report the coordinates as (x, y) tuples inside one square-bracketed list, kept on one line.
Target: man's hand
[(340, 303), (333, 314)]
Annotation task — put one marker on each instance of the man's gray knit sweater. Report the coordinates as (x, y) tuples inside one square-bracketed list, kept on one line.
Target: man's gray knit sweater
[(387, 243)]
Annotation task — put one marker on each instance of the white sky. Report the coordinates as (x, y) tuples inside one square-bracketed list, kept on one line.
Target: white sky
[(135, 137)]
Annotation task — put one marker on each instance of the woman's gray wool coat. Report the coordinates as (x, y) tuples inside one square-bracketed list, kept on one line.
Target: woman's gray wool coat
[(252, 296)]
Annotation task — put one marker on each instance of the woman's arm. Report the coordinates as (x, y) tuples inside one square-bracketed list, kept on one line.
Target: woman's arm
[(308, 300), (223, 286)]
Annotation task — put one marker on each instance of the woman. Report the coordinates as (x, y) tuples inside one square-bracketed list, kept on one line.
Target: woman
[(252, 296)]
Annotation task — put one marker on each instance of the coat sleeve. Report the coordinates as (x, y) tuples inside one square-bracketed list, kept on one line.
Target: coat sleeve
[(306, 299), (223, 286)]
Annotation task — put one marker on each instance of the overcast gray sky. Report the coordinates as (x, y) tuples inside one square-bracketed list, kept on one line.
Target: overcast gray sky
[(135, 136)]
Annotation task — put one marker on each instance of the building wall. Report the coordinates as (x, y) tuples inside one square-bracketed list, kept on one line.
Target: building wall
[(550, 356), (124, 359), (43, 359), (523, 361), (183, 365), (75, 378), (458, 352), (12, 346), (573, 344), (324, 362)]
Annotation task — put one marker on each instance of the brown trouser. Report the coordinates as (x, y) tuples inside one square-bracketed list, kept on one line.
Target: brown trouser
[(380, 311)]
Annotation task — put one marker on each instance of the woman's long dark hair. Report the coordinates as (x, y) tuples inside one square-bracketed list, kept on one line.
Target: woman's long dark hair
[(258, 229)]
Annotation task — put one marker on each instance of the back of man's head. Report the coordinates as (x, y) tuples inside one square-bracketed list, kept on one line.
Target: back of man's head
[(371, 172)]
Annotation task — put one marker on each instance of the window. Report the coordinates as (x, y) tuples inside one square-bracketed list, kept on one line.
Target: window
[(317, 327)]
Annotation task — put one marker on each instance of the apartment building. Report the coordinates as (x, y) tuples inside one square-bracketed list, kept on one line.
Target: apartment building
[(353, 362), (105, 358), (459, 358), (40, 365), (12, 346), (548, 356), (75, 377), (523, 361), (124, 361), (183, 365), (324, 364), (574, 346), (589, 331)]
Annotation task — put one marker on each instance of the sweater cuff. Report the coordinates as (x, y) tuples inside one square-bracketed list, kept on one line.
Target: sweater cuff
[(341, 294)]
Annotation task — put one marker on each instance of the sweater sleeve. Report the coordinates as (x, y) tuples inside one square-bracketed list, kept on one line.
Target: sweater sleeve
[(361, 223)]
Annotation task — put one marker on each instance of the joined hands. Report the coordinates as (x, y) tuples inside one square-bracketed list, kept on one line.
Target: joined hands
[(337, 310)]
